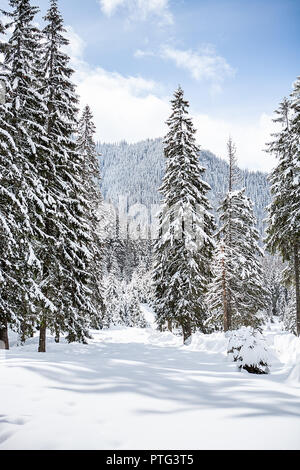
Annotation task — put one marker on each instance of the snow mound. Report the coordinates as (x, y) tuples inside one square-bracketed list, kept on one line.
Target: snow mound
[(287, 347), (294, 377), (121, 335), (214, 342)]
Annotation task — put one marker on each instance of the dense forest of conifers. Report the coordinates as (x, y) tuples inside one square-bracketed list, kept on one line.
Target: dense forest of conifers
[(68, 262)]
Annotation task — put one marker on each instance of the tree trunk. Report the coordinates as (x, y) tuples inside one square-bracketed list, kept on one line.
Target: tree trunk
[(57, 336), (297, 281), (170, 325), (187, 332), (24, 332), (225, 304), (42, 339), (229, 311), (4, 342)]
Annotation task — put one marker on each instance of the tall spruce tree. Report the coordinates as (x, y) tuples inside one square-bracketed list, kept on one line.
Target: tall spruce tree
[(283, 231), (185, 246), (66, 258), (25, 118), (9, 207), (238, 275), (91, 181), (113, 295)]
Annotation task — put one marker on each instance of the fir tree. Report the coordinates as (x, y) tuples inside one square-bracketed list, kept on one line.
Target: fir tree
[(25, 119), (237, 269), (66, 258), (273, 271), (131, 312), (91, 181), (283, 232), (227, 249), (247, 347), (289, 314), (112, 296), (9, 207), (184, 249), (219, 290), (142, 283)]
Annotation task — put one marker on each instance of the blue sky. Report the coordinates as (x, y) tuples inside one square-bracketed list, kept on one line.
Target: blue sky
[(235, 60)]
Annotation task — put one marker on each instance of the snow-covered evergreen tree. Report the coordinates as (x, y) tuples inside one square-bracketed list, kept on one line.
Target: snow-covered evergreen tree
[(217, 298), (248, 349), (10, 206), (122, 301), (25, 119), (66, 259), (131, 312), (112, 297), (185, 246), (142, 282), (273, 272), (91, 182), (135, 314), (237, 286), (289, 314), (225, 254), (283, 232), (87, 147)]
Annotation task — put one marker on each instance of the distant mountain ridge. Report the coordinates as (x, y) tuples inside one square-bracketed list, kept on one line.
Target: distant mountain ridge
[(136, 170)]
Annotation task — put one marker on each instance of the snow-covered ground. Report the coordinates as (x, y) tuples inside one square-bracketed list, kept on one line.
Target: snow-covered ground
[(141, 389)]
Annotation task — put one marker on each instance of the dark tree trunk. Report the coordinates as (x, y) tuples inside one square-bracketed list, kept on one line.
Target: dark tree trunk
[(42, 339), (4, 342), (24, 332), (297, 281), (57, 336), (229, 310), (170, 325), (225, 303), (187, 332)]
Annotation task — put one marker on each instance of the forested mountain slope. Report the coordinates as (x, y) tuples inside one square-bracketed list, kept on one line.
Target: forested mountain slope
[(136, 170)]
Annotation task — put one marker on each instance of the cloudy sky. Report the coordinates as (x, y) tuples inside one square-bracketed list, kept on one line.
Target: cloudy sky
[(235, 60)]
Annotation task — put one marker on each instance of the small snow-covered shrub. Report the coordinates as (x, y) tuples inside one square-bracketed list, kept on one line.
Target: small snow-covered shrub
[(248, 348)]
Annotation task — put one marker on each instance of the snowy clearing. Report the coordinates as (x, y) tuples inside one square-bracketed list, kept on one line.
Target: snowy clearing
[(140, 389)]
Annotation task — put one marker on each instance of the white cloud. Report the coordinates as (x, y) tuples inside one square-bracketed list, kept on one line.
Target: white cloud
[(139, 9), (123, 107), (110, 6), (200, 65), (140, 54), (130, 108), (205, 64)]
